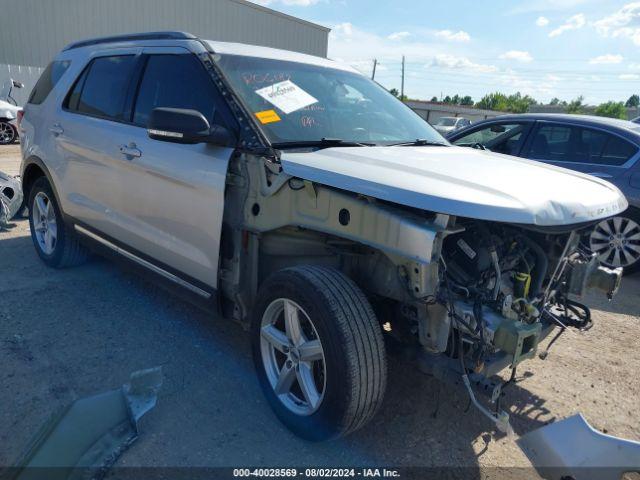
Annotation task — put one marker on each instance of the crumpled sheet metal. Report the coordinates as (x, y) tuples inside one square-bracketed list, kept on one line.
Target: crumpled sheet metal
[(86, 438), (573, 449), (10, 198)]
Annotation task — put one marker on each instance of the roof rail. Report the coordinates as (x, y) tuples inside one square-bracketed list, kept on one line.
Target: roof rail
[(131, 37)]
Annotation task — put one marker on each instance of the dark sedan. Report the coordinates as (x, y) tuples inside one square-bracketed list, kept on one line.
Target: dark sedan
[(604, 147)]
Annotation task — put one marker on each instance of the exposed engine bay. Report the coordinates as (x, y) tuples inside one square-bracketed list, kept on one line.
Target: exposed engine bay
[(504, 288), (501, 283)]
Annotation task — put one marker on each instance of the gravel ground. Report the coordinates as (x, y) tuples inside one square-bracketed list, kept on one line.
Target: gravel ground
[(72, 333)]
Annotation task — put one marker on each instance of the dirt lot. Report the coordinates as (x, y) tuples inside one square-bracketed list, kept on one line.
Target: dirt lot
[(72, 333)]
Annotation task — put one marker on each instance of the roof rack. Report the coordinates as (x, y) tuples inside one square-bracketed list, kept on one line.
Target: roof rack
[(131, 37)]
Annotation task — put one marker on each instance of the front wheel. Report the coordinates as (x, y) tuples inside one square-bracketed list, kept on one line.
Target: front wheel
[(318, 351), (616, 240)]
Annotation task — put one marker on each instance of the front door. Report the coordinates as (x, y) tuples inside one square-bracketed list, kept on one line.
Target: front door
[(173, 195)]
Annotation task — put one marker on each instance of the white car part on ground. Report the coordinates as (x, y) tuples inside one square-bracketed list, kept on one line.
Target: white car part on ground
[(85, 439), (571, 448), (10, 198)]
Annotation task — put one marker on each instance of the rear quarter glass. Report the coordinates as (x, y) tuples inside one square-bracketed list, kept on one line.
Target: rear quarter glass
[(47, 81)]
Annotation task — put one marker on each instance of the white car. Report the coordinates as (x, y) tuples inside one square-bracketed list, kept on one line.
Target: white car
[(446, 125), (8, 126), (304, 201)]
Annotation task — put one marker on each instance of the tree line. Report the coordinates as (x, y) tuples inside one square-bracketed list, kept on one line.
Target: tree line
[(518, 103)]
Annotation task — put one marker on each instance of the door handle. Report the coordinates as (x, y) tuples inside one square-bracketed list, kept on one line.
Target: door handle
[(56, 129), (130, 151)]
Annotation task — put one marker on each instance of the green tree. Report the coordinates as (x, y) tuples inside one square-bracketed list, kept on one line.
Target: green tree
[(554, 101), (633, 101), (466, 100), (434, 99), (447, 99), (576, 105), (455, 99), (493, 101), (518, 103), (612, 109)]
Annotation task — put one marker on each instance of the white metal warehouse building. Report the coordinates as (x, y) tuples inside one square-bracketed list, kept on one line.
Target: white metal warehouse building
[(33, 31)]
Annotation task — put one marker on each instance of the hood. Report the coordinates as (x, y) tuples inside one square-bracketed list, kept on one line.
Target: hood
[(463, 182), (8, 110)]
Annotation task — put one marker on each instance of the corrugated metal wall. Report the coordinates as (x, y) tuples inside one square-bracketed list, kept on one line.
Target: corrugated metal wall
[(33, 31), (28, 76)]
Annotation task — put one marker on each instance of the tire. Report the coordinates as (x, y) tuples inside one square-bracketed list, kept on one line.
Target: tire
[(351, 377), (616, 240), (8, 134), (62, 249)]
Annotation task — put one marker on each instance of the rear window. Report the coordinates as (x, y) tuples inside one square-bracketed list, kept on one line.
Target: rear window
[(565, 143), (617, 151), (47, 81), (101, 90)]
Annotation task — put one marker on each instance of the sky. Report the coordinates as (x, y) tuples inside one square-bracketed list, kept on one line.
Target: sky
[(543, 48)]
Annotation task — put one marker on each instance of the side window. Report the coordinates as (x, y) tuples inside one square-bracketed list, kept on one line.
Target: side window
[(47, 81), (101, 90), (617, 151), (551, 142), (501, 138), (588, 145), (177, 81)]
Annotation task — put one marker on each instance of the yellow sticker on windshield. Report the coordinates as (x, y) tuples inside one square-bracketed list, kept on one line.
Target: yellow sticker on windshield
[(268, 116)]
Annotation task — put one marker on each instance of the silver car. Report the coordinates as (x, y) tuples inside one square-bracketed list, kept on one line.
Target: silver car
[(299, 198), (446, 125)]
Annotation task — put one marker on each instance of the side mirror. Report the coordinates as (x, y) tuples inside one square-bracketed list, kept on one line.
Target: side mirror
[(17, 84), (498, 129), (180, 125)]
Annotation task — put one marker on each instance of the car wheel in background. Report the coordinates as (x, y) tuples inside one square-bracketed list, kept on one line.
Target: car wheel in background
[(56, 243), (8, 134), (616, 240), (318, 351)]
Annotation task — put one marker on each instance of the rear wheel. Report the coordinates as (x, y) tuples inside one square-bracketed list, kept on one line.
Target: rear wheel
[(55, 242), (318, 351), (8, 134), (616, 240)]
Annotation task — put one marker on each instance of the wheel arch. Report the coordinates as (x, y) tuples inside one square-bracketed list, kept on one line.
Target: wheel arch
[(34, 168)]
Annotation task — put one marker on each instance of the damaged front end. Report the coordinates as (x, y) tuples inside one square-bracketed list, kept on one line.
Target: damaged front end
[(10, 198), (502, 289)]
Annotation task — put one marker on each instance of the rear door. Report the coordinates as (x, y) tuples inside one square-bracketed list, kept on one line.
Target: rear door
[(91, 123), (586, 149), (172, 196)]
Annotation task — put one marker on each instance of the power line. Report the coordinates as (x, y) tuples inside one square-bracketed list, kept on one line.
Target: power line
[(402, 84)]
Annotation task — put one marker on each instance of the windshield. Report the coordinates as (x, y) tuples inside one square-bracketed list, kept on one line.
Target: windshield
[(297, 102), (446, 122)]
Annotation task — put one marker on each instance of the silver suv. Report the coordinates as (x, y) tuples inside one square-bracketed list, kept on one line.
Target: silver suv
[(299, 198)]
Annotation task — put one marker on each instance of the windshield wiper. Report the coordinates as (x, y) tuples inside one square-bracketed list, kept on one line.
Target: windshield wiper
[(322, 143), (420, 142)]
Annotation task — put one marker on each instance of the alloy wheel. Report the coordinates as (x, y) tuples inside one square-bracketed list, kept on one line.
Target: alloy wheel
[(7, 133), (45, 227), (616, 241), (293, 357)]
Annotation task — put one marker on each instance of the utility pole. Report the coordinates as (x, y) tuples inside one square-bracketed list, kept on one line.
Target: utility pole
[(375, 62), (402, 84)]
